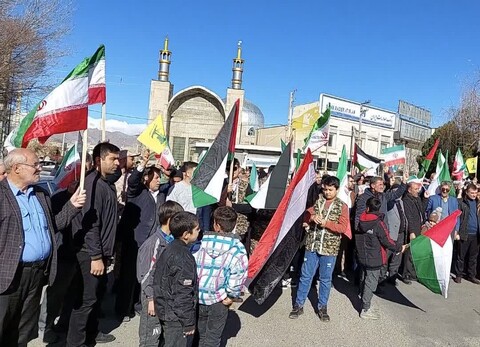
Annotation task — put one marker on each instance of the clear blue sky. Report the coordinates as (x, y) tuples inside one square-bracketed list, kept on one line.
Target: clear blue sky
[(419, 51)]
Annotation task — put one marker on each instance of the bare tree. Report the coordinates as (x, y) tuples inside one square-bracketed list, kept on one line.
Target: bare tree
[(31, 33)]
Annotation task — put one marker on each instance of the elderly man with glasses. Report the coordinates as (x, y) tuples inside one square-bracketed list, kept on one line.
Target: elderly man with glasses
[(447, 202), (28, 249)]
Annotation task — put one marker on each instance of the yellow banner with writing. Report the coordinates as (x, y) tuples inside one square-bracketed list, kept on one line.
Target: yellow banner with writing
[(472, 164)]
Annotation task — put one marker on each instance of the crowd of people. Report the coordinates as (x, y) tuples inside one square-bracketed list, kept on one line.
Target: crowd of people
[(180, 268)]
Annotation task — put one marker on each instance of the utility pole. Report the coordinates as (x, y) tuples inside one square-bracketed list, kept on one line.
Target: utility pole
[(363, 110), (290, 115)]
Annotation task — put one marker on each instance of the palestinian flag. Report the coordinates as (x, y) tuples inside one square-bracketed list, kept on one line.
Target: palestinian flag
[(283, 236), (319, 134), (363, 161), (459, 166), (432, 255), (283, 145), (254, 184), (394, 155), (208, 178), (271, 192), (65, 109), (69, 169), (428, 159)]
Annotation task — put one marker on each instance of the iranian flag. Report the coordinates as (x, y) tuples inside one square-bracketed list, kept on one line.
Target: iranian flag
[(364, 161), (459, 166), (65, 109), (69, 169), (394, 155), (208, 178), (271, 192), (428, 159), (319, 134), (283, 236), (432, 255)]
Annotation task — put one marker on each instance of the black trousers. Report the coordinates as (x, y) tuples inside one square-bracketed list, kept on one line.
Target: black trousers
[(211, 322), (20, 306), (173, 333), (128, 288), (408, 268), (463, 264), (394, 260), (83, 327)]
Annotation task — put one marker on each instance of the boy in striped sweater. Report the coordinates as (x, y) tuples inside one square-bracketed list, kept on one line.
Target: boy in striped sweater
[(222, 265)]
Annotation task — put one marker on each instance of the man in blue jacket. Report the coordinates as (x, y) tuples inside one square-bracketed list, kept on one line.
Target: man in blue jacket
[(449, 204)]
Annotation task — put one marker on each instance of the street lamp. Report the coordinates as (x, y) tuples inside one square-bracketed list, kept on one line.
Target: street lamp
[(363, 110)]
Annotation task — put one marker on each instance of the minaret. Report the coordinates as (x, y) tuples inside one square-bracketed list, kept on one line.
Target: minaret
[(237, 68), (165, 57), (236, 92), (161, 90)]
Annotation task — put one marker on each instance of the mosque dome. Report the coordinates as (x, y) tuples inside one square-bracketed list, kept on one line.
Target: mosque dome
[(252, 117)]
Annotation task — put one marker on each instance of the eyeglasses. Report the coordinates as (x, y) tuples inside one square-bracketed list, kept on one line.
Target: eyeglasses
[(446, 190), (36, 166)]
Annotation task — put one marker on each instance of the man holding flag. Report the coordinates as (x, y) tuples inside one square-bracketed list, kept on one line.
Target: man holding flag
[(327, 222)]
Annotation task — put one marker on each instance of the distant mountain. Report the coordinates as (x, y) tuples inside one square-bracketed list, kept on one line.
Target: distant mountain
[(119, 139)]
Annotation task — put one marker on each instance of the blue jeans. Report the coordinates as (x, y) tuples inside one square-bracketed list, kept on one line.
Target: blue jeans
[(325, 265)]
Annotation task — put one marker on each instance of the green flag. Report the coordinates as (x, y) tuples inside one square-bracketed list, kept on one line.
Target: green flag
[(319, 134), (283, 145), (342, 175)]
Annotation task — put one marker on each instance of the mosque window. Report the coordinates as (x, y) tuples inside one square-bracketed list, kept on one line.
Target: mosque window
[(178, 147)]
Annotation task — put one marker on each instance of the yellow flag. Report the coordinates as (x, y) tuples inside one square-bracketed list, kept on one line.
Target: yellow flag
[(471, 164), (153, 137)]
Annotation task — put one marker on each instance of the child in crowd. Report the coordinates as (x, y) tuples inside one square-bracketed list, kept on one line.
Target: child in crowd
[(149, 330), (222, 270), (175, 283), (433, 219), (372, 240)]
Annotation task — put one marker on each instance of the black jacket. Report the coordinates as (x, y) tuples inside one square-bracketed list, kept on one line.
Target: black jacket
[(465, 208), (372, 240), (415, 211), (95, 227), (385, 198), (175, 285), (140, 214)]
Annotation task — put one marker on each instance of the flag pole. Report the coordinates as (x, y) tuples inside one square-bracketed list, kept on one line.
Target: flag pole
[(84, 159), (104, 117)]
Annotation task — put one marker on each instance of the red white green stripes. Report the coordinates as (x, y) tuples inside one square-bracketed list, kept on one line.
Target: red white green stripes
[(65, 109), (394, 155)]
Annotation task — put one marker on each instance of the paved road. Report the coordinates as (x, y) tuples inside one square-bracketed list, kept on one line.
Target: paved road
[(411, 316)]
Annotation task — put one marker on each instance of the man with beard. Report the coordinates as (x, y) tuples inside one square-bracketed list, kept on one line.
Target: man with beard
[(376, 190), (94, 232), (138, 222), (414, 207)]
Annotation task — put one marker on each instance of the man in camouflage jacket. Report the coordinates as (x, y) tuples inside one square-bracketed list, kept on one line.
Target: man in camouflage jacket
[(328, 220)]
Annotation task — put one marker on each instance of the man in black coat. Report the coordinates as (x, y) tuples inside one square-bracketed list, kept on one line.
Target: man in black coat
[(94, 232), (414, 207), (138, 222), (28, 248)]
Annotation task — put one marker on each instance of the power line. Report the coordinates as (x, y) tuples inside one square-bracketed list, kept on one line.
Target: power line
[(120, 115)]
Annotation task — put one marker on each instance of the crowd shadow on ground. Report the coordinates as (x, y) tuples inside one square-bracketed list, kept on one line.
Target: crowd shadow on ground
[(251, 307), (232, 327), (387, 291)]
